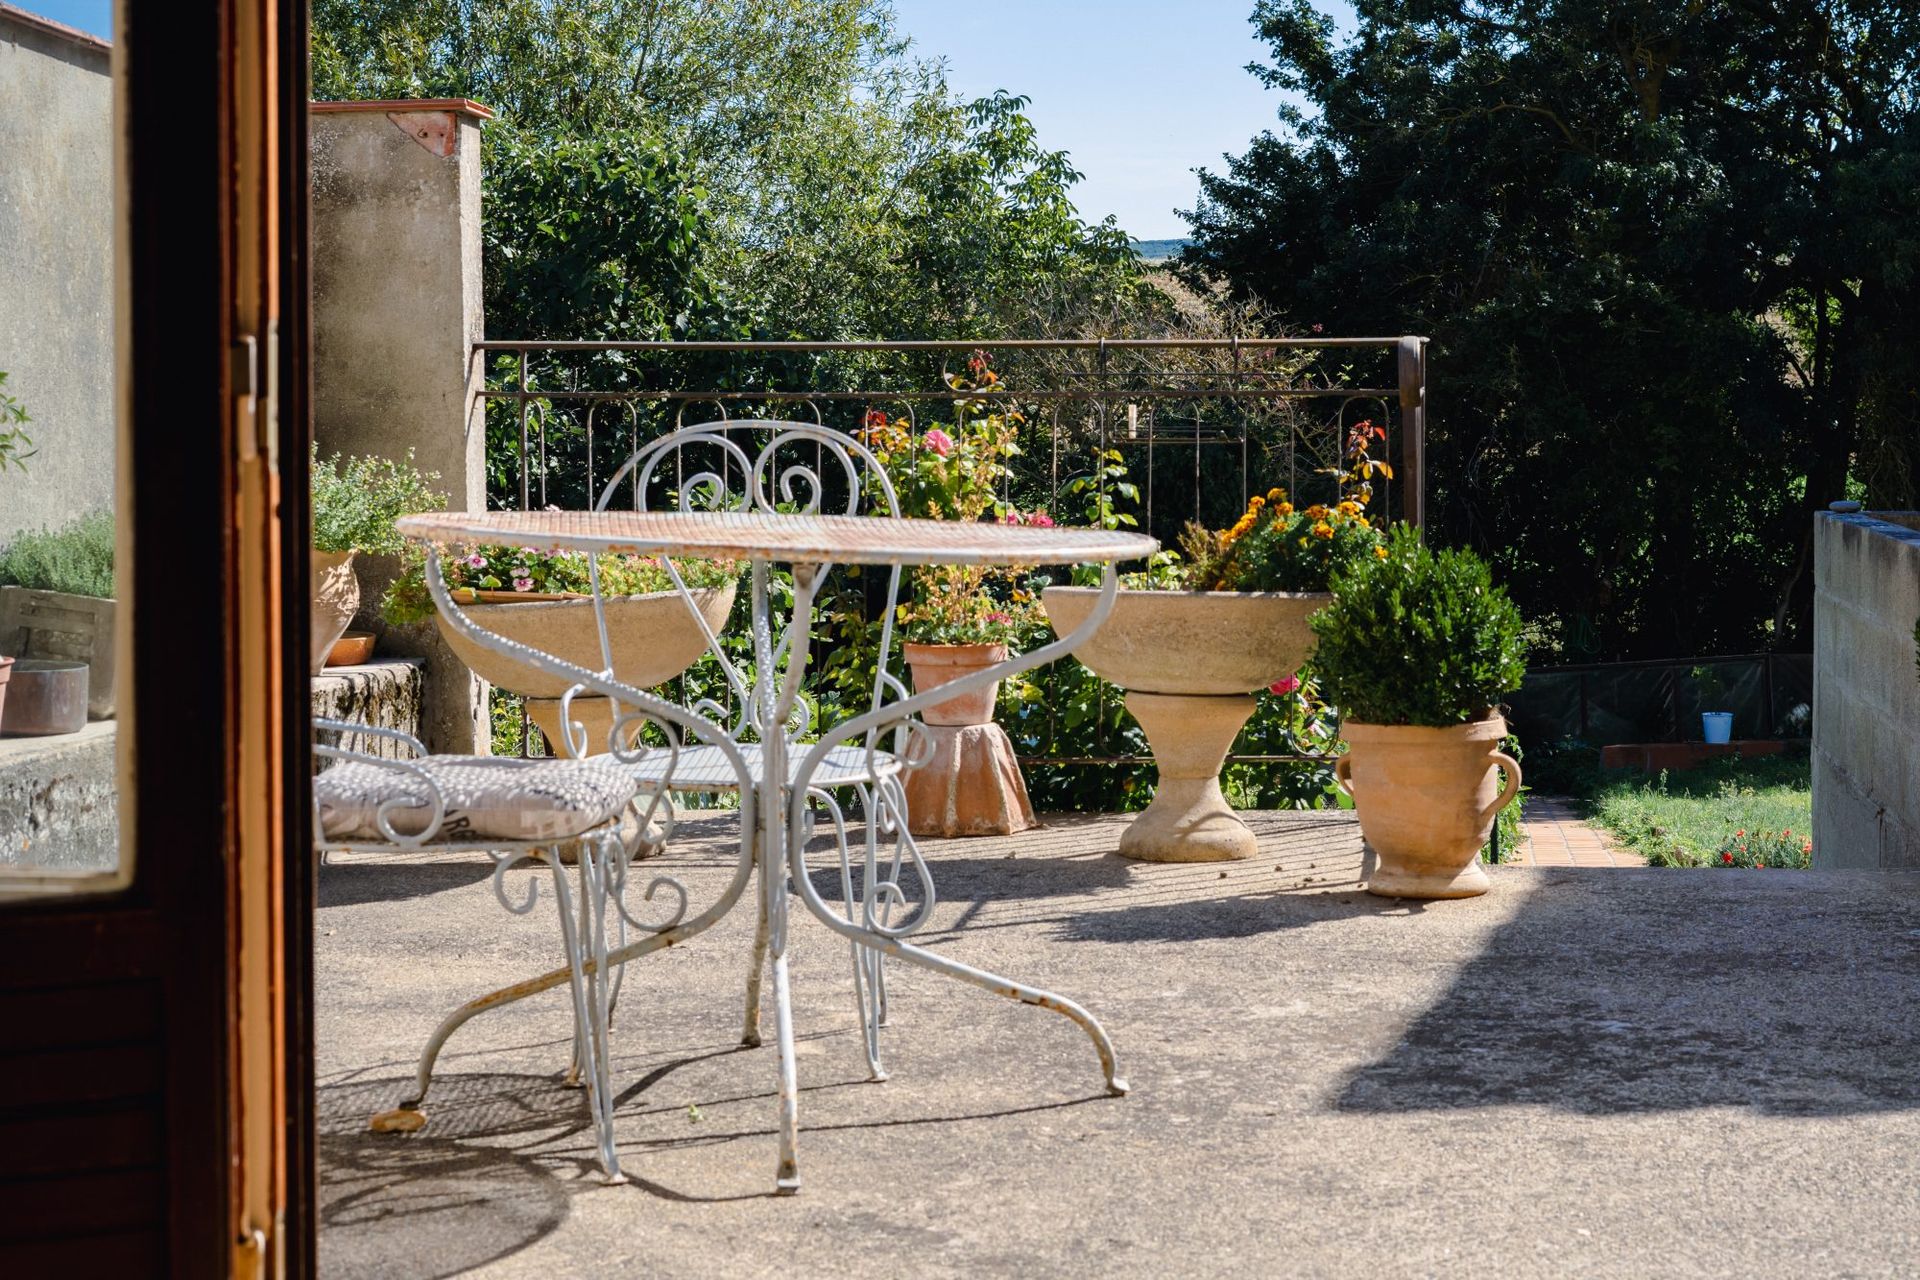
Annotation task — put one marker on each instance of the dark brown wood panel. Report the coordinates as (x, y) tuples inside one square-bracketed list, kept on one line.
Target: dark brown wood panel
[(88, 1204)]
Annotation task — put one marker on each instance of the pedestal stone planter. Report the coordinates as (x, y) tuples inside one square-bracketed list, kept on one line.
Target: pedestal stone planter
[(335, 599), (1191, 662), (654, 638), (970, 784), (1427, 799)]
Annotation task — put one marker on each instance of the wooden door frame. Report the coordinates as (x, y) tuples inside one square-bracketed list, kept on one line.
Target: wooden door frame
[(211, 130)]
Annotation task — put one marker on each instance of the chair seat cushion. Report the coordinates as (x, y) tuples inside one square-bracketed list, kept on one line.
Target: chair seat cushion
[(485, 797)]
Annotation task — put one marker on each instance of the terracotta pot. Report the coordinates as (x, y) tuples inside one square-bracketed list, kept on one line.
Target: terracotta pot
[(6, 674), (335, 599), (1190, 661), (351, 650), (1427, 800), (937, 664), (654, 638)]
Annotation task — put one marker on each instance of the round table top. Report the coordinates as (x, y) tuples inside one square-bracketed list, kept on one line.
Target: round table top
[(789, 539)]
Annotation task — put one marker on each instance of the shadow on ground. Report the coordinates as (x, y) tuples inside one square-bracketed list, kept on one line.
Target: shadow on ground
[(1652, 1002)]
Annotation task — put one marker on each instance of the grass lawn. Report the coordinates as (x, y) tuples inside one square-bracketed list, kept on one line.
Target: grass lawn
[(1684, 819)]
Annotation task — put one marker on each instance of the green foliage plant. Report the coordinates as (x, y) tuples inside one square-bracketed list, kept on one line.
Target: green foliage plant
[(525, 571), (1418, 637), (77, 558), (356, 501), (16, 446)]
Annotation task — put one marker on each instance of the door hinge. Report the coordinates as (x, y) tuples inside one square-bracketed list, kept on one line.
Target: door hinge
[(256, 387)]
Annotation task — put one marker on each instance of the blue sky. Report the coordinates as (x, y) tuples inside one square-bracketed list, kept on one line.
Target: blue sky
[(1141, 92), (95, 16)]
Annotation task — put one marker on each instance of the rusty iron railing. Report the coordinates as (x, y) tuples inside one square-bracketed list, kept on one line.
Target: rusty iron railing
[(1199, 424)]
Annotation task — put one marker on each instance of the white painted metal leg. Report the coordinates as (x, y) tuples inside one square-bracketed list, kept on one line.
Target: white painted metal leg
[(750, 1027), (787, 1178), (589, 997)]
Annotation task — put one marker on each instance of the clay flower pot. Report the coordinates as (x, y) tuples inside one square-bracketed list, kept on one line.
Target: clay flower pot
[(335, 599), (1191, 662), (353, 649), (970, 783), (1427, 799), (936, 664), (6, 674), (654, 639)]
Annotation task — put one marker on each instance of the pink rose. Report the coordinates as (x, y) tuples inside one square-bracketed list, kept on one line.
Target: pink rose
[(939, 441), (1040, 520), (1288, 685)]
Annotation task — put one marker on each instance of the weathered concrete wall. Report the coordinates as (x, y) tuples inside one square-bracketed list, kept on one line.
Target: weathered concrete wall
[(1866, 691), (59, 801), (56, 268), (386, 694), (396, 311)]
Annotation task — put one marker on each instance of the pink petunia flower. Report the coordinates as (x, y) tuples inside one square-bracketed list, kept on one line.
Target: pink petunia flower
[(523, 584), (1288, 685), (939, 441)]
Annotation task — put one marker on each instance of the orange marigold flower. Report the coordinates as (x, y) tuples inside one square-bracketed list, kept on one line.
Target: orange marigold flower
[(1317, 511), (1284, 510), (1323, 530), (1379, 553), (1276, 495), (1348, 508)]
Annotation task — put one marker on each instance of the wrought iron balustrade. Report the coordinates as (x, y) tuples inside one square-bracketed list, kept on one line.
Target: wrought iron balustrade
[(1197, 424)]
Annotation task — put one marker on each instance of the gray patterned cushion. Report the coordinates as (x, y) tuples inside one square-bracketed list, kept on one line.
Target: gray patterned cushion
[(485, 797)]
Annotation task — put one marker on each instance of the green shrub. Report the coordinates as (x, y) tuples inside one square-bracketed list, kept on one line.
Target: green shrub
[(1418, 637), (76, 558), (356, 501)]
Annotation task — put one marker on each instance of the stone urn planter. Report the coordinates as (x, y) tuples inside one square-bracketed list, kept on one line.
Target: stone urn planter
[(335, 590), (1427, 799), (970, 784), (654, 639), (1191, 662)]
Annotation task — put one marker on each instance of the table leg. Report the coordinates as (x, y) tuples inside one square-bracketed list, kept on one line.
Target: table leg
[(750, 1028)]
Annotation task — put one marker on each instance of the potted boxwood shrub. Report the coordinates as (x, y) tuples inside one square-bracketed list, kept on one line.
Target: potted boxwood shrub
[(543, 599), (355, 502), (1417, 649), (1196, 637)]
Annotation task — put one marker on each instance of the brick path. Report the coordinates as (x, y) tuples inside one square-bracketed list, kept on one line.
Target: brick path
[(1554, 835)]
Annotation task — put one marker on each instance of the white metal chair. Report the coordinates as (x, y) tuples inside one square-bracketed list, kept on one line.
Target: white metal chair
[(508, 809)]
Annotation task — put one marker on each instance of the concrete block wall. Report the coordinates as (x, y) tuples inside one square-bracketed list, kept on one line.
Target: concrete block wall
[(56, 267), (1866, 690)]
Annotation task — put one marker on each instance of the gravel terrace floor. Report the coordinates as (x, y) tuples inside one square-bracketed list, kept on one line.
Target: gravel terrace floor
[(1602, 1072)]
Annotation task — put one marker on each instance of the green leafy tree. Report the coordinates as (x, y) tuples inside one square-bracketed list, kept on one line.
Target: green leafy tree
[(1666, 253)]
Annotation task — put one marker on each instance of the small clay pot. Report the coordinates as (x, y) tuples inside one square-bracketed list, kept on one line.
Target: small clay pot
[(937, 664), (351, 650)]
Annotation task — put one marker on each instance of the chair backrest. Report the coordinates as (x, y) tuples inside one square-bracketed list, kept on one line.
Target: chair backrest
[(768, 467)]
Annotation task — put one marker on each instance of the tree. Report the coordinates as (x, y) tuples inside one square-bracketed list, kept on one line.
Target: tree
[(831, 184), (1666, 253)]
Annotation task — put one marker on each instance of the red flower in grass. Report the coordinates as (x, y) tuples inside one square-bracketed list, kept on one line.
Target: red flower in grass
[(1727, 857)]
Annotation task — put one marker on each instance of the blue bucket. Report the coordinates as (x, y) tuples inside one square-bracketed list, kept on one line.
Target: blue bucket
[(1717, 725)]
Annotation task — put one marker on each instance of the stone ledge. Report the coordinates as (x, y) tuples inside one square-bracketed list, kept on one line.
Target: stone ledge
[(389, 693), (59, 801)]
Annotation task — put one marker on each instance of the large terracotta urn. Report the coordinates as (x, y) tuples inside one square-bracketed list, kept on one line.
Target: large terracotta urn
[(1427, 799), (1191, 663), (335, 597), (969, 784), (653, 637)]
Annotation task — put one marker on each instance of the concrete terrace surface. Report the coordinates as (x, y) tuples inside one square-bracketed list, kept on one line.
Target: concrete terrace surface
[(1588, 1071)]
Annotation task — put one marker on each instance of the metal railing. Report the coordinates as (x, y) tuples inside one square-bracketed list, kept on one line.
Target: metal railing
[(1197, 425)]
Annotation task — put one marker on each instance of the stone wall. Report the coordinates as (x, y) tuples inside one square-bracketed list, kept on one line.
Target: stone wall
[(396, 311), (56, 267), (1866, 690), (59, 802)]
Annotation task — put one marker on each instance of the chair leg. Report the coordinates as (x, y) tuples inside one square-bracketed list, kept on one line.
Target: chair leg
[(586, 940)]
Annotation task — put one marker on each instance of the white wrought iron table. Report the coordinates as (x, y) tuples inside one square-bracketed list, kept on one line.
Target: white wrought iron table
[(769, 741)]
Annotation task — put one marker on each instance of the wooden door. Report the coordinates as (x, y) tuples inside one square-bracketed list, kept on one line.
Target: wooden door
[(154, 1071)]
